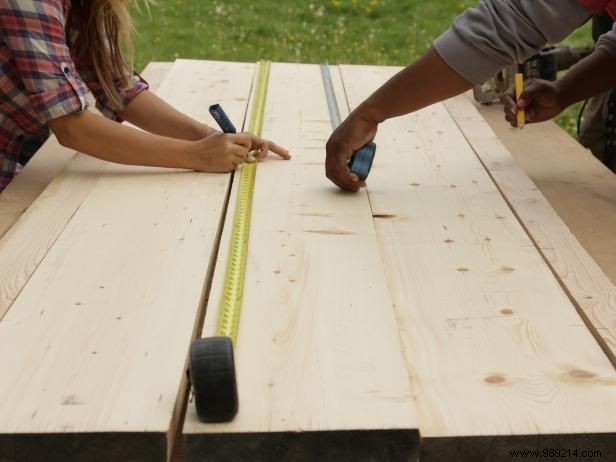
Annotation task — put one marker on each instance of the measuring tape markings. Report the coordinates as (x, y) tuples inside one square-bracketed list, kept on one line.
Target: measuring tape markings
[(228, 321)]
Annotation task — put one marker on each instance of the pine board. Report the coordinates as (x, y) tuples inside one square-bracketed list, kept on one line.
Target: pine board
[(579, 187), (320, 370), (49, 162), (41, 200), (593, 294), (93, 349), (498, 354)]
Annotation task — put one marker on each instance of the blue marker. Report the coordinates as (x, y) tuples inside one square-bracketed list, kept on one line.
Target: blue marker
[(222, 119)]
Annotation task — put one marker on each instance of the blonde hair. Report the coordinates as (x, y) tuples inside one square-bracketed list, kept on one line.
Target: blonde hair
[(104, 42)]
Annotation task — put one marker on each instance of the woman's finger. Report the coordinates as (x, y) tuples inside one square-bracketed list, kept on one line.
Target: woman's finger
[(279, 150), (262, 151)]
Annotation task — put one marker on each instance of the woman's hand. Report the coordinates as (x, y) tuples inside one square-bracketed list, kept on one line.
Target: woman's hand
[(541, 100), (351, 135), (223, 152)]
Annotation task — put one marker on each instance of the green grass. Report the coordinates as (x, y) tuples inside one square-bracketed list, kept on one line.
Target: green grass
[(383, 32)]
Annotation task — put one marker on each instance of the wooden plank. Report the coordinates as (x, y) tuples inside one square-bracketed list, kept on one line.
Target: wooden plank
[(95, 344), (499, 356), (40, 201), (27, 242), (591, 292), (581, 189), (50, 161), (319, 364), (155, 73)]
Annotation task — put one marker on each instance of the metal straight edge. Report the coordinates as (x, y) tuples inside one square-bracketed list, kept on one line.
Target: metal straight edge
[(330, 94)]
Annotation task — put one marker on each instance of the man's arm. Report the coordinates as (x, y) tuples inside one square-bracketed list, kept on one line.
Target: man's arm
[(481, 42), (497, 33), (424, 82)]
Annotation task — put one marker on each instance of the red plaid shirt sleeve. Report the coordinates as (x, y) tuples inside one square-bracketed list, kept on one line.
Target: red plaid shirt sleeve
[(103, 103), (33, 31)]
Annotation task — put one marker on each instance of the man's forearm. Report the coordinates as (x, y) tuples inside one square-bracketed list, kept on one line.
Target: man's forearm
[(150, 113), (425, 82), (593, 75), (99, 137)]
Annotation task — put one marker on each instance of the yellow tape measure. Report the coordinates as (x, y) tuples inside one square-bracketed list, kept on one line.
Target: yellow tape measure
[(233, 291)]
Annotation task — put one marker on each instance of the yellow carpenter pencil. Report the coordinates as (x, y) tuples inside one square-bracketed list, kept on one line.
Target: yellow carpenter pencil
[(519, 88)]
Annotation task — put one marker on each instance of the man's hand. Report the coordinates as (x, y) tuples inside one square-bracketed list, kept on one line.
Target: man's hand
[(541, 99), (351, 135)]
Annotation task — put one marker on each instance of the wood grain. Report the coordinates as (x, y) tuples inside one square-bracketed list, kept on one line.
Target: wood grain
[(581, 190), (41, 200), (591, 292), (49, 162), (96, 342), (320, 370), (495, 348)]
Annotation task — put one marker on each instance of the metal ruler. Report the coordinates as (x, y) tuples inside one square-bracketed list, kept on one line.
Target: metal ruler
[(330, 95), (361, 160)]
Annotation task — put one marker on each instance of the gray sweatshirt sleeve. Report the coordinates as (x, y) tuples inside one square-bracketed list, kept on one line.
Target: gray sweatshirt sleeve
[(607, 42), (497, 33)]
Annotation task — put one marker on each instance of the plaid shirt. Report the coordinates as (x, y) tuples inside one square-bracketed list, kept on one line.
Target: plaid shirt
[(38, 79)]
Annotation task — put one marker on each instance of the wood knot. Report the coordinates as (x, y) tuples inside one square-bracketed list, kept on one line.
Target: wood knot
[(581, 374), (462, 269), (495, 379), (449, 241), (507, 312)]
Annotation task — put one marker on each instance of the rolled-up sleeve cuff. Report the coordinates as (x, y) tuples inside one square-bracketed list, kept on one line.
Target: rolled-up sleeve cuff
[(468, 61), (68, 97), (113, 113)]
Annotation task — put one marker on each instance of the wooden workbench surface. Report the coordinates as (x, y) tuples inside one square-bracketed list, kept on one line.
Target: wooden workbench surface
[(579, 187), (450, 300)]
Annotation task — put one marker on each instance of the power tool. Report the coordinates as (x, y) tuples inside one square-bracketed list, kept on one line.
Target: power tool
[(544, 65)]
